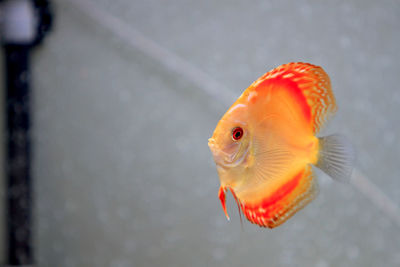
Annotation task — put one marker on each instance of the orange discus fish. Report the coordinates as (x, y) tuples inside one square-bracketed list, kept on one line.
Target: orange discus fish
[(266, 142)]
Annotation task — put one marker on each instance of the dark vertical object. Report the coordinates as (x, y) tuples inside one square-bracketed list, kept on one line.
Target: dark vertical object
[(18, 155), (18, 41)]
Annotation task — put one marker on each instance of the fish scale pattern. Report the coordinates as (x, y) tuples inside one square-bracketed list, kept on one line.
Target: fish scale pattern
[(315, 86)]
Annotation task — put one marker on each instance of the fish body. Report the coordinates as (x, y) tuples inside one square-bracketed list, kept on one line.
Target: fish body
[(266, 142)]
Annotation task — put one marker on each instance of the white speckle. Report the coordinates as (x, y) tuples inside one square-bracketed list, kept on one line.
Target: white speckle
[(236, 107), (264, 221), (256, 83), (276, 74), (288, 75), (251, 95)]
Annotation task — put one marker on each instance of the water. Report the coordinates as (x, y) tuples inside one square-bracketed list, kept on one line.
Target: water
[(123, 174)]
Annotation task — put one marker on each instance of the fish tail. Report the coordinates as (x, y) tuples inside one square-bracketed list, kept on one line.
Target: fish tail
[(336, 157)]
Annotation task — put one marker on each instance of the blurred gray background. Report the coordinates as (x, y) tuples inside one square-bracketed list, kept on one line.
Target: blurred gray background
[(126, 94)]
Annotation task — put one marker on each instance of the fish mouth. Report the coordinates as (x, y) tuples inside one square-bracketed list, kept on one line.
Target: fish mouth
[(214, 148), (223, 159), (218, 155)]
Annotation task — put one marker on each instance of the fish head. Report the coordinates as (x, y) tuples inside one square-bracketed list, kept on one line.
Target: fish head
[(230, 145)]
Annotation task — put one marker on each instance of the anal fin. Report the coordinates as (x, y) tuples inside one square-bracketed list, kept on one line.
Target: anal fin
[(292, 196)]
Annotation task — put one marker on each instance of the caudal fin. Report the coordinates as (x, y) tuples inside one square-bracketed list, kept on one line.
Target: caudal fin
[(336, 157)]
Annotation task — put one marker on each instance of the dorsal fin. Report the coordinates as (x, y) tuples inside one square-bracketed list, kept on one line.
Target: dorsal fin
[(314, 85)]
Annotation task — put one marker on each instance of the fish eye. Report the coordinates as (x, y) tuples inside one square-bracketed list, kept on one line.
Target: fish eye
[(237, 133)]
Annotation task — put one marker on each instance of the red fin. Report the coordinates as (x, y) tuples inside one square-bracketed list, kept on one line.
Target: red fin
[(221, 195), (311, 87), (285, 202)]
